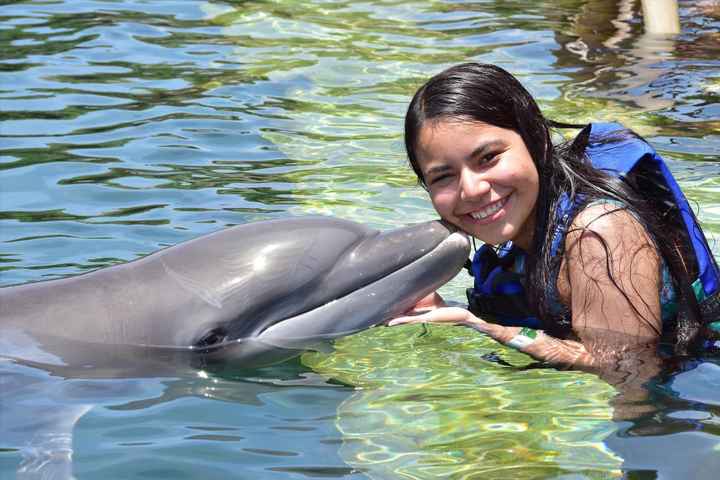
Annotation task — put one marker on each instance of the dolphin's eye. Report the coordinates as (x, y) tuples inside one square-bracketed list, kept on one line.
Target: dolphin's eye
[(213, 337)]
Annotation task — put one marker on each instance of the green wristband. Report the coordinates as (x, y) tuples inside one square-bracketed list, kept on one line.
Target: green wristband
[(524, 338)]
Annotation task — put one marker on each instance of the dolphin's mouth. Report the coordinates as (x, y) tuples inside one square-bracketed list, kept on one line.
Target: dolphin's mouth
[(390, 295)]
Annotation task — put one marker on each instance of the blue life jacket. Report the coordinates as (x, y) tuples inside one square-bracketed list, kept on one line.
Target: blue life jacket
[(499, 290)]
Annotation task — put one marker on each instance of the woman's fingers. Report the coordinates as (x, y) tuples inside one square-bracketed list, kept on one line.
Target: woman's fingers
[(453, 315), (407, 319)]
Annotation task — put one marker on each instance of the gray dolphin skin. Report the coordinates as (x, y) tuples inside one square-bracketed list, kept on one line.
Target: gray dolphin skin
[(249, 295)]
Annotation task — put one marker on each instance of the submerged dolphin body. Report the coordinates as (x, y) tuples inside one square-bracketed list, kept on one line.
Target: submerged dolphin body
[(248, 295)]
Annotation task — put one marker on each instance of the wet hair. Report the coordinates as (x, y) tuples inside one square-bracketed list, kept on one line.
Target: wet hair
[(486, 93)]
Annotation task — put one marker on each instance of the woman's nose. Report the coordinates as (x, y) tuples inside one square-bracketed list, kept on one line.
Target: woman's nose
[(473, 185)]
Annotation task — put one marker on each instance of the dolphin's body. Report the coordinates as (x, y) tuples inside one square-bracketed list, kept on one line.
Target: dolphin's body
[(249, 295)]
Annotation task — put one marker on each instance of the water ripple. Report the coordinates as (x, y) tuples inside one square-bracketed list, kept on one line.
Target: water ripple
[(130, 125)]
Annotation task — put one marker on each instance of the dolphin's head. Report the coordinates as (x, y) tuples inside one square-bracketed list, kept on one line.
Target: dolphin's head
[(305, 280), (243, 296)]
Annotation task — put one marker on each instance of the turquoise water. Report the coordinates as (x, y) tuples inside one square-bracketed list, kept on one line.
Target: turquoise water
[(127, 126)]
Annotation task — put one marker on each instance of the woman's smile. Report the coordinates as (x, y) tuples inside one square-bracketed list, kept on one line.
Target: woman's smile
[(489, 213)]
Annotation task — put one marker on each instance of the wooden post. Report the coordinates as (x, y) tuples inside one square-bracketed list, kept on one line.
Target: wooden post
[(661, 16)]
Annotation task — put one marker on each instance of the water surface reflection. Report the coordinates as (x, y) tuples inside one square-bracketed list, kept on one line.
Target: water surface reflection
[(132, 125)]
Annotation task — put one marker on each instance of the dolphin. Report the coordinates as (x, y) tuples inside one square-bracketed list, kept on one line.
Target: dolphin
[(250, 295), (240, 298)]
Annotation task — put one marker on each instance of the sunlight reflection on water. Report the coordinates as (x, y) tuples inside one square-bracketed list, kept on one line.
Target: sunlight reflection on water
[(132, 125)]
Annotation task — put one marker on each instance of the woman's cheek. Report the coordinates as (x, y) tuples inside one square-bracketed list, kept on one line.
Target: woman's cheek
[(442, 203), (508, 174)]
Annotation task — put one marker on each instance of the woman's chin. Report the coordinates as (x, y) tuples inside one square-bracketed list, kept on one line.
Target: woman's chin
[(496, 238)]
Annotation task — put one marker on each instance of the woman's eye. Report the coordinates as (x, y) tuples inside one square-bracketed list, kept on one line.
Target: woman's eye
[(440, 179), (489, 158)]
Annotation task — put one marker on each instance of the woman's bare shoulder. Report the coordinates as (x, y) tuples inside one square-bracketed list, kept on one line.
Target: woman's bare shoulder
[(611, 271)]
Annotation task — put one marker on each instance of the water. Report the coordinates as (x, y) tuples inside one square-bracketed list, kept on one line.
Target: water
[(127, 126)]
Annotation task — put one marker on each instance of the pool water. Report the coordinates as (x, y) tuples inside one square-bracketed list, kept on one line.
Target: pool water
[(127, 126)]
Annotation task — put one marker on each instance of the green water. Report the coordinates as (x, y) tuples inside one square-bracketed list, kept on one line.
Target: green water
[(127, 126), (430, 404)]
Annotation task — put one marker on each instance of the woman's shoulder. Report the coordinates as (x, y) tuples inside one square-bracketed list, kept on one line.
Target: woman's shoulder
[(611, 271), (611, 220)]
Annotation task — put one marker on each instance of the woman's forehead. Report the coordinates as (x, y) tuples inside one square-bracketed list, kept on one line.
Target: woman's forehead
[(439, 138)]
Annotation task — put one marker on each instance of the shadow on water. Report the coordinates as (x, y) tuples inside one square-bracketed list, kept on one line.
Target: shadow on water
[(678, 415), (253, 416)]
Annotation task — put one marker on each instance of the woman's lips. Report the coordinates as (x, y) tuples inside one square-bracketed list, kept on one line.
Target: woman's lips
[(489, 213)]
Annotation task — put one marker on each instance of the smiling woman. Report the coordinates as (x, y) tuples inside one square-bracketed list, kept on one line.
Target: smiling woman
[(591, 235)]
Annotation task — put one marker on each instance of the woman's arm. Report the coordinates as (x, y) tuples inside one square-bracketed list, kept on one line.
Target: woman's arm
[(543, 347), (624, 361), (610, 279)]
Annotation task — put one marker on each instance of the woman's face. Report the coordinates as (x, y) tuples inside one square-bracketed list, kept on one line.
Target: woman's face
[(481, 178)]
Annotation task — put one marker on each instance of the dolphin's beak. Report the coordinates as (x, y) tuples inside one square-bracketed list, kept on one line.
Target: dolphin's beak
[(407, 268)]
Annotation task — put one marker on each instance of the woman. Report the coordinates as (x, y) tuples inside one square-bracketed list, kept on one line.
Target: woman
[(593, 235)]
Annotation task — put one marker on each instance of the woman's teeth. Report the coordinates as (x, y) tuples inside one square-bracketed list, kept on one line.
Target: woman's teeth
[(489, 210)]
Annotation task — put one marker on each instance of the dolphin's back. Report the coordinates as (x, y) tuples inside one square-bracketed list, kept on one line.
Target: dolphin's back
[(259, 271)]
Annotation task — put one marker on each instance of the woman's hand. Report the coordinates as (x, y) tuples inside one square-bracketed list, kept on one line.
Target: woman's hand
[(544, 347), (625, 362), (602, 354), (456, 316)]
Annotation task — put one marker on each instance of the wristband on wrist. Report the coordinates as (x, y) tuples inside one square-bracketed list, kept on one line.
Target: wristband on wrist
[(524, 338)]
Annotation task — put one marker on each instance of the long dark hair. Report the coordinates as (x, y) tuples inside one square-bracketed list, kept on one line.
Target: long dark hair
[(487, 93)]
